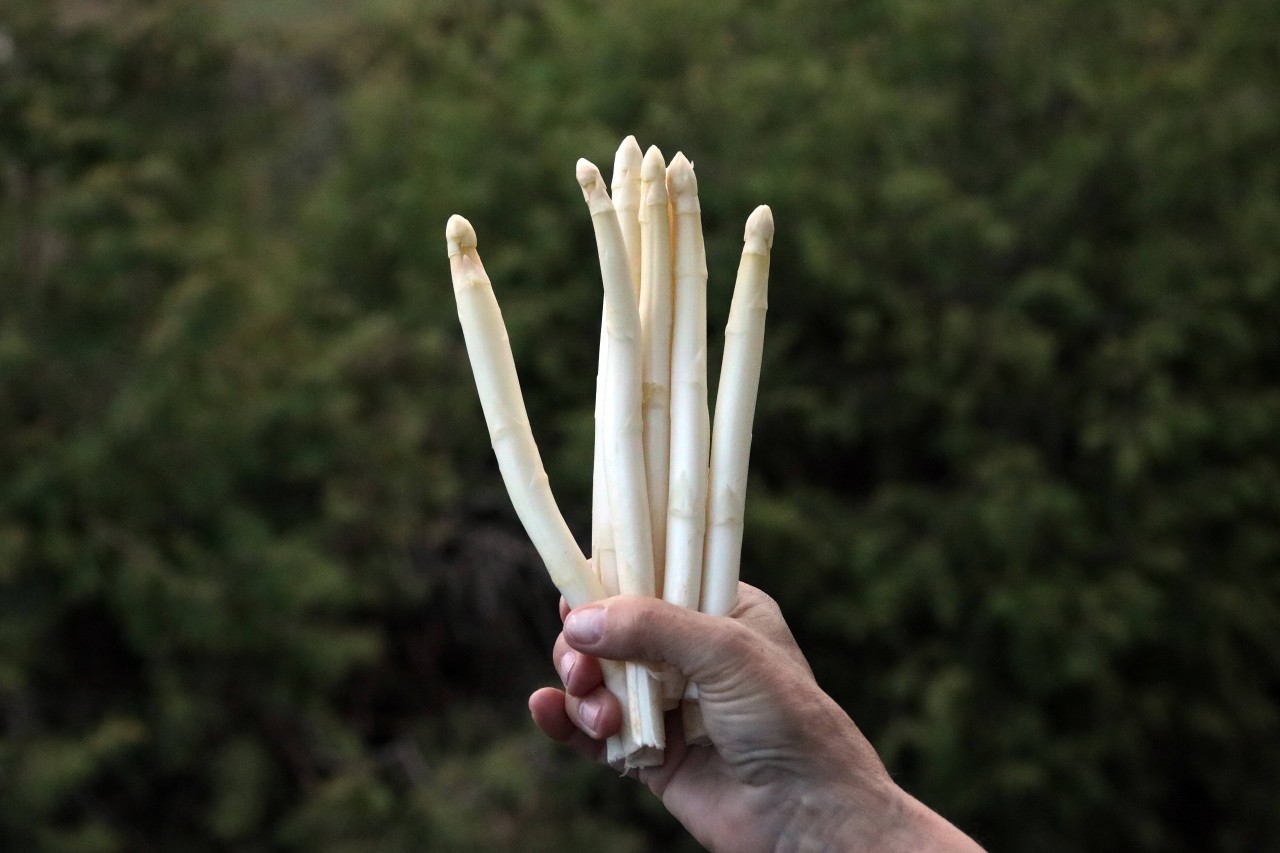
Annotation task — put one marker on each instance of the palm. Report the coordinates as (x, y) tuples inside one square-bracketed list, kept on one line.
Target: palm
[(704, 793)]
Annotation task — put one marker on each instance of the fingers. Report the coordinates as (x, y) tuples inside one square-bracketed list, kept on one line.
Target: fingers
[(707, 649), (579, 673), (598, 713), (547, 706), (724, 654), (584, 708), (582, 723)]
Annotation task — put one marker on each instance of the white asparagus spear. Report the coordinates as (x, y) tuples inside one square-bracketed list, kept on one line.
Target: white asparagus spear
[(690, 421), (626, 198), (655, 328), (735, 411), (627, 170), (624, 449), (604, 556), (731, 434), (498, 385)]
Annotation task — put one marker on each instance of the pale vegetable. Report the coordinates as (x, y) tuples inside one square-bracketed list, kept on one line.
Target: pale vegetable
[(731, 432), (627, 171), (624, 453), (604, 557), (655, 327), (690, 422), (519, 462), (626, 199), (499, 387), (735, 411)]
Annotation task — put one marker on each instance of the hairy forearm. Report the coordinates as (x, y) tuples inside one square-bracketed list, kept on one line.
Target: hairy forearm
[(878, 819)]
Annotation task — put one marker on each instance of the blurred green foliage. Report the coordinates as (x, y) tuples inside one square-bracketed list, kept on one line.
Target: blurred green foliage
[(1016, 470)]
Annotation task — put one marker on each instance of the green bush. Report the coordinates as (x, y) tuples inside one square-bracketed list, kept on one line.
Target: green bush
[(1015, 477)]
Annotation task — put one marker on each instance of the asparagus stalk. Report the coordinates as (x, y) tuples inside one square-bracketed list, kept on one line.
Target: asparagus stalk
[(494, 369), (626, 195), (624, 453), (690, 421), (604, 556), (731, 432), (655, 327), (627, 198), (735, 410)]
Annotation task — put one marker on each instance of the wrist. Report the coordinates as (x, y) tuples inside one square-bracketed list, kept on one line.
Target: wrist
[(834, 817), (869, 818)]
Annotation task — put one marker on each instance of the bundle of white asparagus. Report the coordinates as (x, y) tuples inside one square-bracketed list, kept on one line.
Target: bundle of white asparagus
[(669, 488)]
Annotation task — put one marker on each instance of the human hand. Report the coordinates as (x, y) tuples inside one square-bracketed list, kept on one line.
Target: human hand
[(787, 769)]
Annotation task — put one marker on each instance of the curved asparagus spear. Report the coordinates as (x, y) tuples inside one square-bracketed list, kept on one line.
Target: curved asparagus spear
[(655, 328), (731, 434), (519, 462), (735, 410), (624, 454)]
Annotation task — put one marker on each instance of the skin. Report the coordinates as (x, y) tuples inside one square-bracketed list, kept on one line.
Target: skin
[(788, 770)]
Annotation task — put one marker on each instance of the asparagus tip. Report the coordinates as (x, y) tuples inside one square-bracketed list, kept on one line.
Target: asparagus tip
[(653, 179), (627, 161), (680, 177), (654, 167), (459, 234), (760, 227), (588, 175)]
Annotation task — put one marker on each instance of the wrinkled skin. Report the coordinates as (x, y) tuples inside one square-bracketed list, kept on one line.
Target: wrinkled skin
[(787, 769)]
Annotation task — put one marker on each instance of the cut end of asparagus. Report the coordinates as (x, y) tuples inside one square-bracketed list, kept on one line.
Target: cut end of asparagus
[(459, 234), (759, 232), (644, 724), (626, 163), (646, 756), (615, 756)]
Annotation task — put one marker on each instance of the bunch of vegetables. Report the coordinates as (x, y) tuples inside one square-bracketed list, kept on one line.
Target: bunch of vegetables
[(669, 486)]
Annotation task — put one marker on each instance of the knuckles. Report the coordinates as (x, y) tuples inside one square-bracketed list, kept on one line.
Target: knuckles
[(736, 642), (755, 604), (654, 631)]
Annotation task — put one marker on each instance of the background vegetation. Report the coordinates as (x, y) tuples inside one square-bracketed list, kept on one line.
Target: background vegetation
[(1016, 473)]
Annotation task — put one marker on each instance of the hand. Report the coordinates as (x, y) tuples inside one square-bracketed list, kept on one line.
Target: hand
[(787, 768)]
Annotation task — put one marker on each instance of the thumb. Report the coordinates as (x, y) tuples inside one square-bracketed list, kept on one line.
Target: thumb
[(702, 648)]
